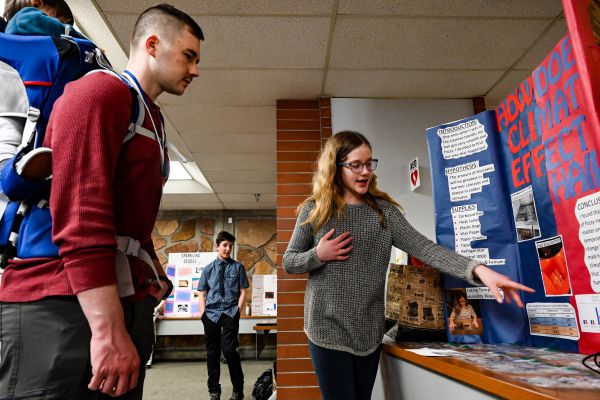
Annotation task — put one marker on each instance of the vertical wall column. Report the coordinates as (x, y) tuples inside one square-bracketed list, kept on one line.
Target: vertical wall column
[(302, 128), (478, 104)]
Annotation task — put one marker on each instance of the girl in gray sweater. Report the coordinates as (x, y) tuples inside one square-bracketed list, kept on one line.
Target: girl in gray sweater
[(343, 239)]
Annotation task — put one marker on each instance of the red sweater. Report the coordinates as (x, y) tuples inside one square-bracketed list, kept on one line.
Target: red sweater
[(100, 188)]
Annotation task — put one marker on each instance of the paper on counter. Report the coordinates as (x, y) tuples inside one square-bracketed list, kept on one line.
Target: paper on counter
[(427, 352)]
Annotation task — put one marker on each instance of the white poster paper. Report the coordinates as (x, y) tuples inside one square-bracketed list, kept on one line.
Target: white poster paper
[(482, 293), (587, 211), (184, 270), (467, 228), (588, 306)]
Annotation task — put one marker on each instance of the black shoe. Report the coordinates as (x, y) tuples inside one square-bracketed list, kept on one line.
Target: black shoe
[(215, 396), (237, 396)]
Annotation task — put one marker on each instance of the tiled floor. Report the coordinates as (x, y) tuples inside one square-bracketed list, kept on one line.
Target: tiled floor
[(187, 379)]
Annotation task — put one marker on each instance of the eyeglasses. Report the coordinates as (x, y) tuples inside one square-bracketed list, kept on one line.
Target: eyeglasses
[(357, 166)]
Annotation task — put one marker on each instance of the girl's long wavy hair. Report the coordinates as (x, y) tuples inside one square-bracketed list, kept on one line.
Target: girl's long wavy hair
[(327, 184)]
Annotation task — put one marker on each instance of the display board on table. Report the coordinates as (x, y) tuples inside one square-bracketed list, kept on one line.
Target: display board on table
[(264, 295), (518, 188), (184, 270)]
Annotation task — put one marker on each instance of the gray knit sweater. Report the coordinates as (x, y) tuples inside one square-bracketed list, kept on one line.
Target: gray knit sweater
[(344, 302)]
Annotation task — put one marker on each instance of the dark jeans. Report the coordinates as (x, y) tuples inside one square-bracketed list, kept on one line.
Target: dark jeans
[(344, 376), (45, 353), (223, 336)]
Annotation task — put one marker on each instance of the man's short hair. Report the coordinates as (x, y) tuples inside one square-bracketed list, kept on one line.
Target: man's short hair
[(223, 236), (164, 15)]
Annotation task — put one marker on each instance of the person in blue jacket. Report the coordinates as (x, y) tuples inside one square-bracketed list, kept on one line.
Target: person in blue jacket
[(26, 18), (57, 9)]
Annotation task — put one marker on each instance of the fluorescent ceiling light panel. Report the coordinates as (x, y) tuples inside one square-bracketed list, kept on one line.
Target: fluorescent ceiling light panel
[(186, 177), (178, 172)]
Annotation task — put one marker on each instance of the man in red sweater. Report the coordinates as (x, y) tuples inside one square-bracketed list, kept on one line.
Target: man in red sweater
[(81, 323)]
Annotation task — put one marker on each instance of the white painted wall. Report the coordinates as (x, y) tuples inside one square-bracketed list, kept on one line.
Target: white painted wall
[(396, 130)]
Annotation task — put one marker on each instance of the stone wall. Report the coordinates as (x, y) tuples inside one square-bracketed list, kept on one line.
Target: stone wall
[(182, 235), (256, 248)]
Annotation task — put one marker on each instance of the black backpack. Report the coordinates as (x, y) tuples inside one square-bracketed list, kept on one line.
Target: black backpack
[(263, 388)]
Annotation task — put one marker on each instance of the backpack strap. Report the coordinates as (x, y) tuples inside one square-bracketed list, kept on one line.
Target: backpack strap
[(30, 130), (128, 246), (140, 108), (138, 113), (161, 137)]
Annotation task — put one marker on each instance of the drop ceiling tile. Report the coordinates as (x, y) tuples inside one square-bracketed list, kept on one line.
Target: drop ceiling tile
[(189, 201), (190, 197), (263, 205), (185, 187), (244, 187), (507, 84), (245, 198), (196, 205), (231, 143), (426, 43), (121, 25), (473, 8), (542, 48), (264, 42), (195, 118), (241, 175), (236, 7), (249, 87), (212, 161), (251, 42), (407, 84)]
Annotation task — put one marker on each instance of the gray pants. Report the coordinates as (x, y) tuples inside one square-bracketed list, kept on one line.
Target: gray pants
[(45, 348)]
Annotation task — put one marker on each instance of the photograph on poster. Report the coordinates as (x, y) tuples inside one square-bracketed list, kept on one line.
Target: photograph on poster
[(183, 308), (183, 283), (195, 282), (463, 313), (525, 215), (553, 266), (184, 295)]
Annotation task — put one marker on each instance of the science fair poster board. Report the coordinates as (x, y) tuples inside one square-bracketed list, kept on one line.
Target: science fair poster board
[(264, 295), (184, 270), (518, 188)]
